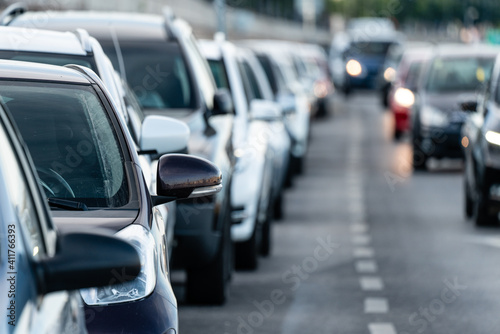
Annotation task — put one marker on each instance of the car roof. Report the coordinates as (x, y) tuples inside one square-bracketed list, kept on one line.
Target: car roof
[(465, 50), (27, 71), (126, 25), (37, 40)]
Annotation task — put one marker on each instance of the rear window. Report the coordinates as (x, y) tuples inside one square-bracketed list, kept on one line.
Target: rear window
[(458, 74), (157, 73)]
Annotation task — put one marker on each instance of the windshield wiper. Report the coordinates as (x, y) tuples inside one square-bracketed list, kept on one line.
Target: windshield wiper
[(67, 204)]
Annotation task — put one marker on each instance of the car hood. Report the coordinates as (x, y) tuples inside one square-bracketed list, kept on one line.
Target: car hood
[(114, 220), (448, 102)]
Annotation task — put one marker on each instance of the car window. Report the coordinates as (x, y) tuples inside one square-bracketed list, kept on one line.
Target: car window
[(265, 62), (369, 48), (252, 80), (200, 67), (412, 76), (458, 74), (20, 200), (71, 140), (157, 73), (219, 72), (51, 59)]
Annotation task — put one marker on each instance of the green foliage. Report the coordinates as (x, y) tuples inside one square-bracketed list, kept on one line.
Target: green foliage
[(430, 11)]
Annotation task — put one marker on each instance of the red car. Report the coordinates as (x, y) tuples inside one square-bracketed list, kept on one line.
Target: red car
[(401, 96)]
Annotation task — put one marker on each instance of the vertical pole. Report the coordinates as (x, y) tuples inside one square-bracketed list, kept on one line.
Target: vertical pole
[(220, 11)]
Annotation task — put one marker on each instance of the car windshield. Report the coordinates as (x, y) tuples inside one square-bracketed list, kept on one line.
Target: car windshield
[(49, 58), (71, 140), (157, 74), (369, 48), (458, 74)]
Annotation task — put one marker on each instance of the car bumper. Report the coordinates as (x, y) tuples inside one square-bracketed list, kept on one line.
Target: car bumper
[(153, 314), (442, 142)]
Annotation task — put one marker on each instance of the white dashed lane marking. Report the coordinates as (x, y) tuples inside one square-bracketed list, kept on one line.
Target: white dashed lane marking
[(359, 228), (366, 267), (361, 252), (361, 239), (371, 283), (381, 328), (376, 305)]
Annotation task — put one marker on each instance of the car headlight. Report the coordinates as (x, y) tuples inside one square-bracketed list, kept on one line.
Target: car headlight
[(136, 289), (389, 74), (492, 137), (404, 97), (354, 68), (430, 116)]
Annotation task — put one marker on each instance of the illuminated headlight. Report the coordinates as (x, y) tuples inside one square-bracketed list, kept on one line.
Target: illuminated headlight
[(430, 116), (140, 287), (389, 74), (404, 97), (354, 68), (493, 137), (321, 89)]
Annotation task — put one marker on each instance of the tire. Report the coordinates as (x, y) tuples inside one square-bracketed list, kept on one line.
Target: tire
[(468, 202), (246, 254), (210, 285), (266, 240), (278, 209), (419, 158), (481, 215), (397, 134)]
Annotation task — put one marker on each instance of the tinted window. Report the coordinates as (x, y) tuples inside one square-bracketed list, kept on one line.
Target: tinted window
[(369, 48), (459, 74), (157, 74), (252, 80), (71, 140), (51, 58), (268, 69), (219, 72)]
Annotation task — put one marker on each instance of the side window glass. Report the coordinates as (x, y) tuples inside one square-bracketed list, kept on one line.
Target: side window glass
[(246, 83), (254, 84), (20, 199), (200, 67)]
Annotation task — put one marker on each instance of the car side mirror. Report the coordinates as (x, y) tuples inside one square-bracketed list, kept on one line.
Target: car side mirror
[(85, 260), (183, 176), (162, 135), (223, 103), (265, 110), (470, 106)]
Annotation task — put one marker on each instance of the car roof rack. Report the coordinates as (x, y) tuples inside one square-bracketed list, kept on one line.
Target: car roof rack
[(11, 12), (84, 38)]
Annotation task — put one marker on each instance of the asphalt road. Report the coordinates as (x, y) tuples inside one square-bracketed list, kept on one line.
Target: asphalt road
[(367, 245)]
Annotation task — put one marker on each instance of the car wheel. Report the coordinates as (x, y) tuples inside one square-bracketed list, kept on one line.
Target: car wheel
[(419, 158), (469, 203), (210, 284), (481, 212), (397, 134), (266, 240), (278, 210), (246, 254)]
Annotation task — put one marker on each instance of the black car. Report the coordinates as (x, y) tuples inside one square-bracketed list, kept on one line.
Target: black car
[(159, 58), (40, 266), (88, 167), (454, 74), (481, 145)]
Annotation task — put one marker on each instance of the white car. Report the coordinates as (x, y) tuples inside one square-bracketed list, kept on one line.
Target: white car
[(252, 179), (289, 93), (62, 48)]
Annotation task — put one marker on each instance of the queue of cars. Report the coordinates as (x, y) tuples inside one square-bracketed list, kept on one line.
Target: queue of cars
[(181, 151), (446, 97)]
